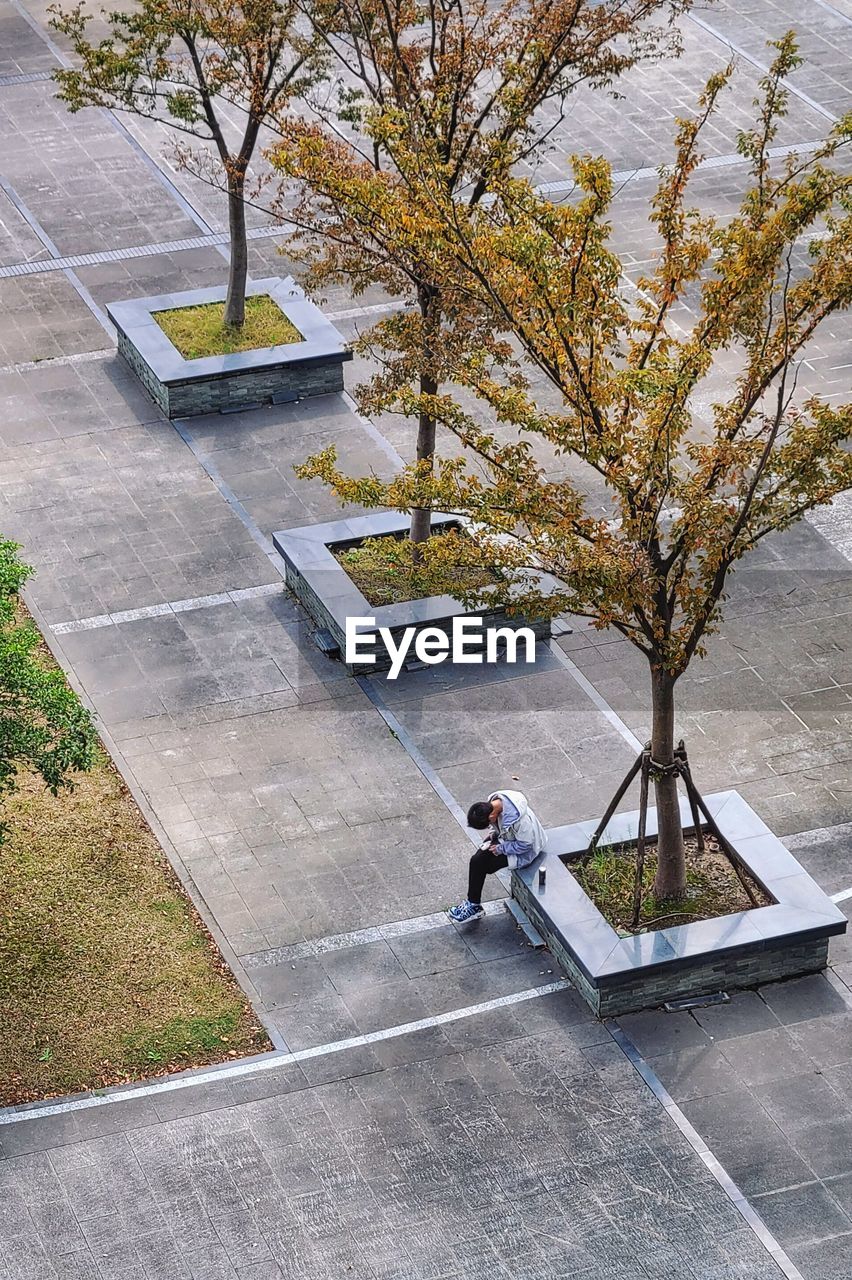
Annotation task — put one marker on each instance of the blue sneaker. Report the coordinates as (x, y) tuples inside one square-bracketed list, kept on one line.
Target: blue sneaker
[(466, 911)]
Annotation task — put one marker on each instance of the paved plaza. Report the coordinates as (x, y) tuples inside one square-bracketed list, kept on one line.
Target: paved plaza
[(440, 1103)]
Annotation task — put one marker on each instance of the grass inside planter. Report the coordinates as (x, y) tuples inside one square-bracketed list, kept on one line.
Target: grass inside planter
[(384, 572), (713, 888), (200, 331)]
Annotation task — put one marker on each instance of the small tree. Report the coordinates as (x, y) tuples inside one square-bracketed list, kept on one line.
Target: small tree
[(477, 87), (687, 498), (43, 726), (182, 62)]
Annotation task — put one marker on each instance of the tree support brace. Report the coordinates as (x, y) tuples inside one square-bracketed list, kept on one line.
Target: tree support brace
[(649, 769)]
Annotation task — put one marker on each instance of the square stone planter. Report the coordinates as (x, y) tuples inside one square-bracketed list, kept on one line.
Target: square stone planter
[(617, 975), (269, 375), (330, 596)]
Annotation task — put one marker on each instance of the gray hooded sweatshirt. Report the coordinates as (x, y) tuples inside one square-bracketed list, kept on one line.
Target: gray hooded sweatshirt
[(521, 835)]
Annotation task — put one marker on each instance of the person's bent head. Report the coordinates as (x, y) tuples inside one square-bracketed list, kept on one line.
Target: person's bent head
[(479, 815)]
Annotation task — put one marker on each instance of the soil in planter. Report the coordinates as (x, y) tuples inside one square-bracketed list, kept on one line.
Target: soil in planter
[(200, 331), (713, 887), (384, 572)]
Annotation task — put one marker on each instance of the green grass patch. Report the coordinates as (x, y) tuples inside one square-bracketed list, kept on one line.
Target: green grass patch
[(107, 972), (713, 887), (384, 571), (181, 1038), (201, 331)]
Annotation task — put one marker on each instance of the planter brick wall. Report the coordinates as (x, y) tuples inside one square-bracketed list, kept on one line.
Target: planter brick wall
[(617, 975), (184, 388), (330, 596)]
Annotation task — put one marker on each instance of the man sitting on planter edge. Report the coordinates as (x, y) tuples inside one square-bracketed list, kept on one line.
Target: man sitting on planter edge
[(515, 839)]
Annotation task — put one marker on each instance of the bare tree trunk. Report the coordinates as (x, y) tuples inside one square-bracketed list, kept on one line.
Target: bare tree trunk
[(670, 880), (421, 517), (235, 299)]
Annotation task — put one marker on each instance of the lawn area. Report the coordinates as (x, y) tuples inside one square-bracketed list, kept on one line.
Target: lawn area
[(199, 331), (107, 972)]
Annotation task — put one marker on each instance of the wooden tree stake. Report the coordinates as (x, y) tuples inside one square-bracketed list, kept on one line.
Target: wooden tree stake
[(645, 762), (613, 805), (680, 756)]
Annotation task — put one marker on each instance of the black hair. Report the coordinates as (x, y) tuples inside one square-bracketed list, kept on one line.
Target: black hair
[(479, 815)]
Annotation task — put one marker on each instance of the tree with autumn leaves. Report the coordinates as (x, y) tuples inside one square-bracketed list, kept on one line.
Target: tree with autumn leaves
[(477, 87), (215, 71), (44, 728), (687, 496)]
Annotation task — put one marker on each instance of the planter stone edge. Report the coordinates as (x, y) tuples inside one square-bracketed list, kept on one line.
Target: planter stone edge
[(245, 379), (330, 596), (619, 975)]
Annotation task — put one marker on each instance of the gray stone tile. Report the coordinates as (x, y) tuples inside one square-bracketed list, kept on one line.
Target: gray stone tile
[(388, 1004), (316, 1021), (766, 1055), (341, 1066), (492, 1028), (805, 1100), (824, 1259), (801, 1214), (827, 1148), (764, 1163), (285, 984), (746, 1013), (357, 968), (77, 1264), (743, 1257), (56, 1224), (566, 1010), (803, 998), (655, 1032), (694, 1073), (434, 951), (27, 1136), (726, 1118), (211, 1263), (841, 1190), (198, 1100), (414, 1047), (261, 1271), (666, 1264), (495, 937), (25, 1259)]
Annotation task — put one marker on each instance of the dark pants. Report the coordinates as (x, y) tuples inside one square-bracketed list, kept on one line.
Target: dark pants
[(482, 864)]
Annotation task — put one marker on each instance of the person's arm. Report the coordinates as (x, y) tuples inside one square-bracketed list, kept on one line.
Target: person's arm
[(507, 846), (517, 848)]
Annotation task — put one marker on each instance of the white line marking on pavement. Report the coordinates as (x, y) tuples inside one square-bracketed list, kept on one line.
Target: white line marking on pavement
[(832, 9), (761, 66), (597, 698), (842, 896), (274, 1061), (622, 176), (219, 239), (357, 938), (818, 835), (701, 1149), (161, 610), (374, 309), (51, 362), (373, 432)]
